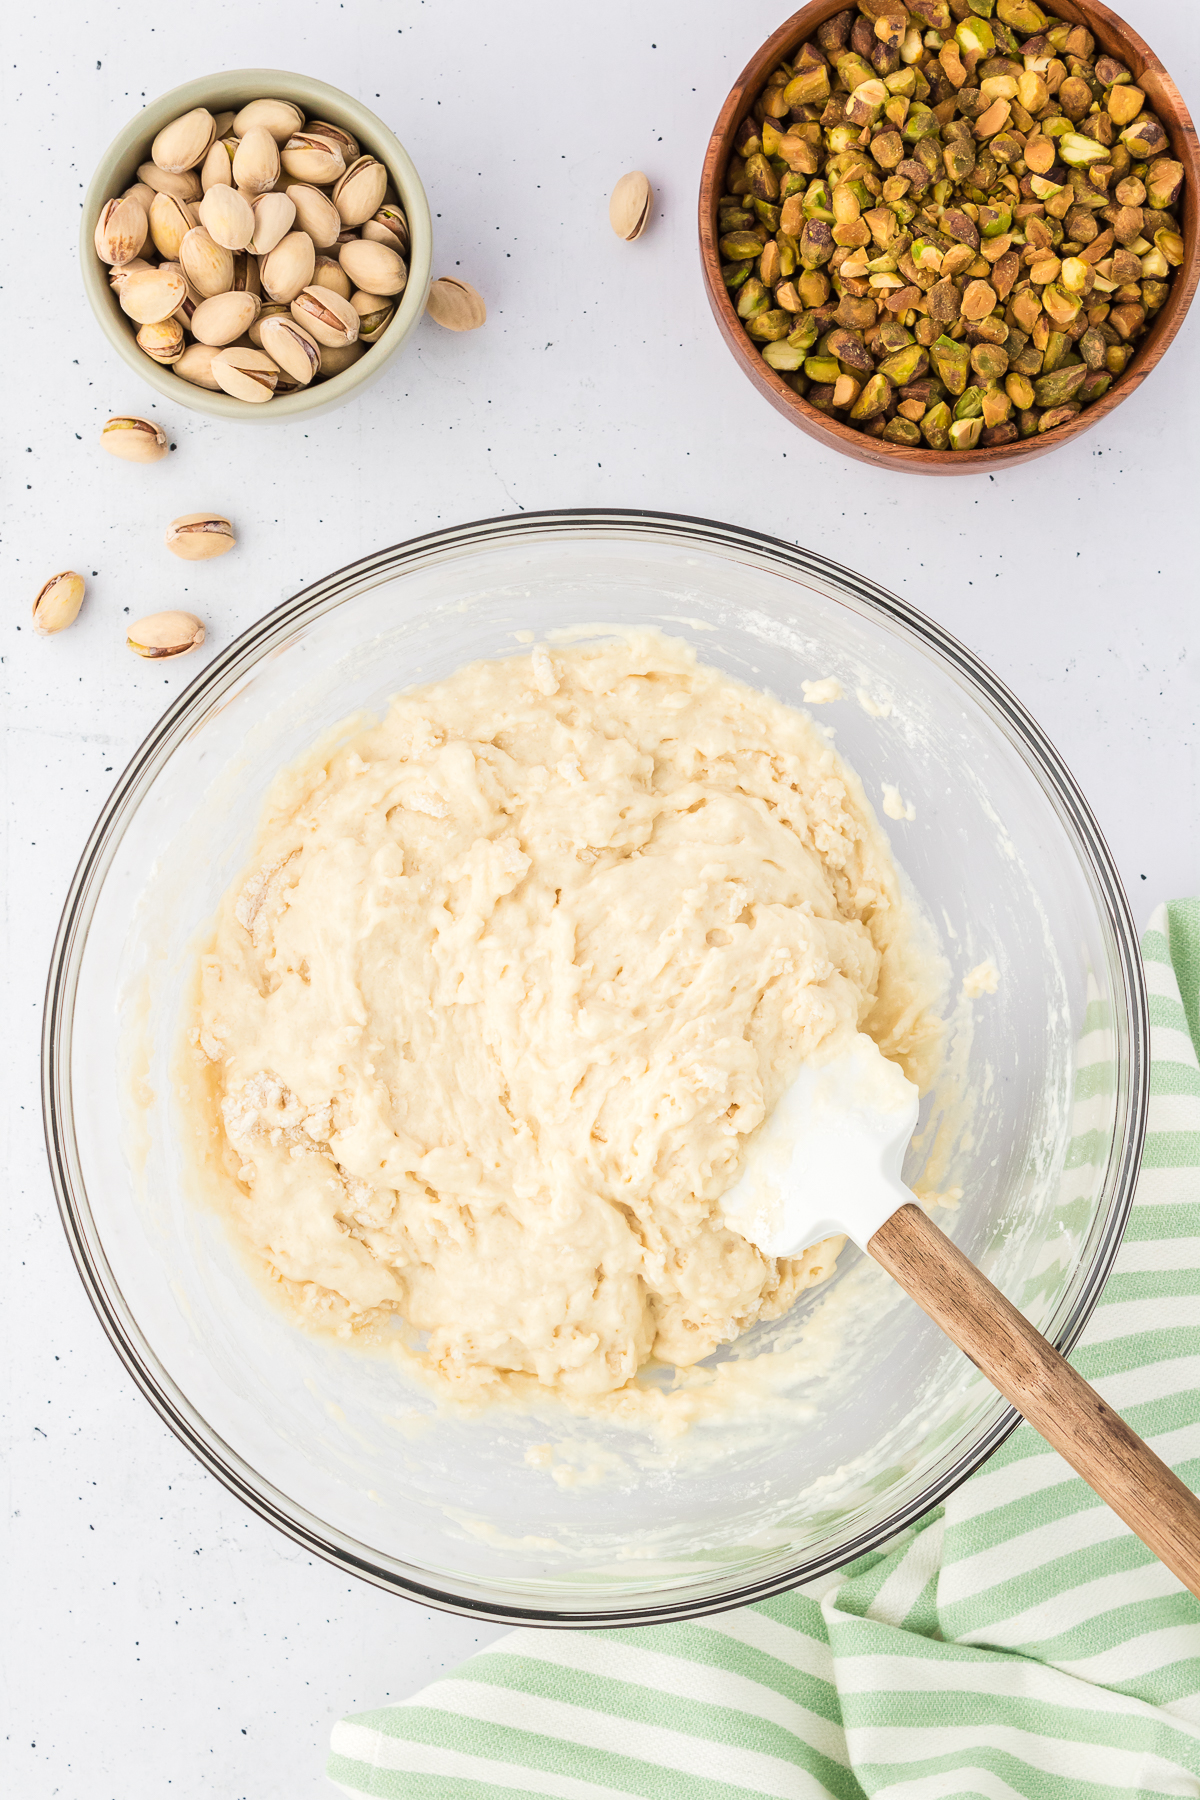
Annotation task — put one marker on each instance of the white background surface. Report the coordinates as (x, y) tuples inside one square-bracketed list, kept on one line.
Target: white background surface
[(165, 1641)]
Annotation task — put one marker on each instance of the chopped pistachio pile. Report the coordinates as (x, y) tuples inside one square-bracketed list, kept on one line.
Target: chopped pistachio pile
[(949, 222)]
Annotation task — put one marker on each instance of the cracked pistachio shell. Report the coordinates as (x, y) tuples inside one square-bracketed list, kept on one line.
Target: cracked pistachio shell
[(170, 221), (163, 342), (297, 353), (244, 373), (224, 318), (274, 216), (119, 274), (165, 634), (326, 316), (373, 267), (390, 227), (256, 162), (331, 275), (280, 117), (455, 304), (311, 157), (152, 294), (336, 357), (142, 194), (346, 144), (58, 603), (375, 313), (195, 365), (359, 194), (271, 309), (630, 207), (121, 230), (207, 265), (246, 277), (227, 216), (134, 439), (315, 213), (185, 142), (184, 187), (223, 122), (217, 167), (289, 267), (200, 535)]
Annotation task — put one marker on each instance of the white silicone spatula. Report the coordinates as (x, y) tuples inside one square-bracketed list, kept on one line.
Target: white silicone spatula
[(828, 1163)]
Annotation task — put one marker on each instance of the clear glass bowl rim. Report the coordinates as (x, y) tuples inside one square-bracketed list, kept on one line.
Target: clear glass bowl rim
[(236, 661)]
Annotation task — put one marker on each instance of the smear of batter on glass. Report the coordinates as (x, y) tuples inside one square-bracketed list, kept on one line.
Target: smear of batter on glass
[(513, 975)]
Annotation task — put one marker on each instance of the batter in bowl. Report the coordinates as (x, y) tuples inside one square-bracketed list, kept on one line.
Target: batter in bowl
[(514, 974)]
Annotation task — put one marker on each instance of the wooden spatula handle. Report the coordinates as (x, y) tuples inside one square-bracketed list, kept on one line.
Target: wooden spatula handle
[(1044, 1387)]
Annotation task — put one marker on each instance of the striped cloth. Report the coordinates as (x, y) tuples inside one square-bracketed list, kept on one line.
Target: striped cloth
[(1018, 1641)]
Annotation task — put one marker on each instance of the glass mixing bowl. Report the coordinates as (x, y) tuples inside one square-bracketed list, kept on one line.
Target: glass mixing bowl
[(542, 1518)]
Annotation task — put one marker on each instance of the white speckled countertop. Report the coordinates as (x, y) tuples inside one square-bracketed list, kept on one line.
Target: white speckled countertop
[(167, 1641)]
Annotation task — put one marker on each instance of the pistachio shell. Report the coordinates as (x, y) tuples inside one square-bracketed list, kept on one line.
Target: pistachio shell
[(315, 213), (134, 439), (142, 194), (58, 603), (224, 318), (121, 231), (184, 187), (152, 294), (375, 313), (630, 207), (326, 316), (184, 142), (455, 304), (310, 157), (246, 277), (294, 349), (163, 341), (170, 221), (244, 373), (207, 265), (271, 309), (227, 217), (289, 267), (256, 162), (165, 634), (223, 121), (274, 215), (336, 357), (199, 536), (346, 144), (119, 274), (195, 365), (373, 267), (331, 275), (359, 194), (280, 117), (390, 227), (217, 168)]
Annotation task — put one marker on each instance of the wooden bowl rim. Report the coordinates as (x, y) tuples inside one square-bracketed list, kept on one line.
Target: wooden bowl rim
[(1115, 36)]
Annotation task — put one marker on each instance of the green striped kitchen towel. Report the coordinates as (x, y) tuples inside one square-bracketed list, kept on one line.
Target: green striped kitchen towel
[(1019, 1641)]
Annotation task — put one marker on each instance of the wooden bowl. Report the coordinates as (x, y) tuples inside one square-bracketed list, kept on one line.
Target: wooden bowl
[(1119, 40)]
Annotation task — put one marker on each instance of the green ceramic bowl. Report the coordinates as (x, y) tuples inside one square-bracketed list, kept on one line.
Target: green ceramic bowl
[(118, 168)]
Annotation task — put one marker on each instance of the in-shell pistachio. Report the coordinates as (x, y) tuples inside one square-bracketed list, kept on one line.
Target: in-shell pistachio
[(315, 213), (217, 168), (256, 161), (280, 117), (330, 274), (245, 373), (142, 194), (119, 274), (199, 535), (271, 309), (373, 267), (223, 123), (455, 304), (630, 207), (195, 365), (390, 227), (287, 343), (227, 217), (184, 142), (289, 267), (134, 439), (162, 341), (346, 144), (121, 231), (374, 312), (310, 156), (207, 265), (152, 294), (359, 194), (170, 221), (326, 316), (185, 186), (336, 357), (58, 603), (165, 634), (224, 318), (246, 279), (274, 216)]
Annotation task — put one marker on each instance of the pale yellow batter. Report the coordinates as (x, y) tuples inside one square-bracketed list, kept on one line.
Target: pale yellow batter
[(483, 1031)]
